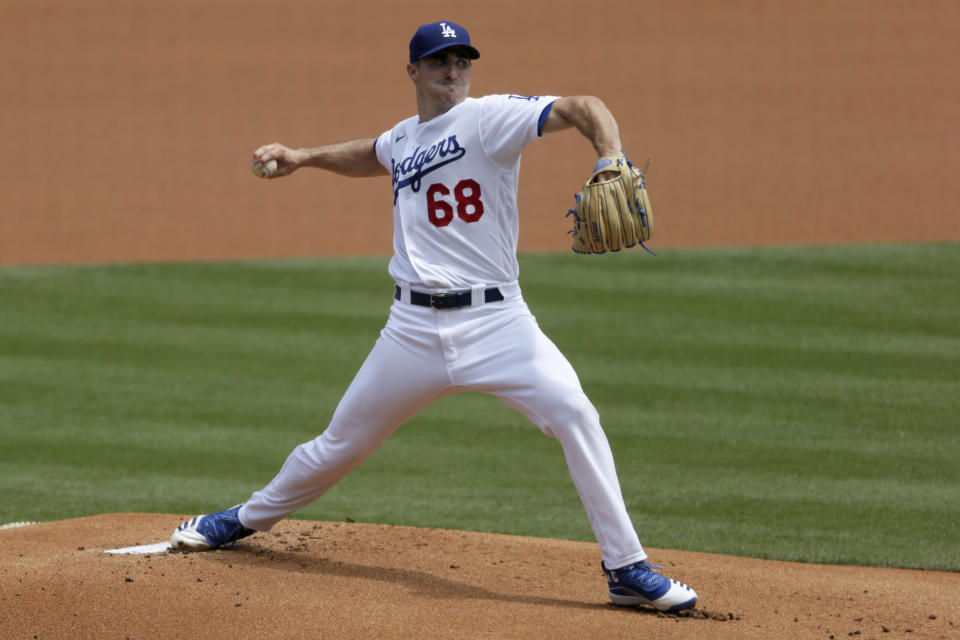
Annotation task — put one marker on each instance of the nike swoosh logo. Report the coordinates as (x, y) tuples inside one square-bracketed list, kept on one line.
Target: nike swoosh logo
[(401, 137)]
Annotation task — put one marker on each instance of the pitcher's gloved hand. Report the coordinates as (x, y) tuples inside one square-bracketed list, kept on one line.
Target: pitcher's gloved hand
[(612, 210)]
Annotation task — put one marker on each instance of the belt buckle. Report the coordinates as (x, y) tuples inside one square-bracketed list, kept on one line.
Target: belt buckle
[(439, 302)]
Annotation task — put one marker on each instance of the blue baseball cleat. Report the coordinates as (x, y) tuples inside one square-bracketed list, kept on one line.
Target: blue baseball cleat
[(219, 530), (639, 583)]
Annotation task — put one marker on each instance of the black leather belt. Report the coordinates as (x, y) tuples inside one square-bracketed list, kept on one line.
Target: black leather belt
[(449, 299)]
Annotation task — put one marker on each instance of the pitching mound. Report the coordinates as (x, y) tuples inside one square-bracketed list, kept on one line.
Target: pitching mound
[(345, 580)]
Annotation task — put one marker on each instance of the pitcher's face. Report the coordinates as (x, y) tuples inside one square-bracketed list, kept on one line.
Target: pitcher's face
[(442, 78)]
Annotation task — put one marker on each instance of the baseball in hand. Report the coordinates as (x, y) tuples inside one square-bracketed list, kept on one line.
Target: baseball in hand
[(266, 169)]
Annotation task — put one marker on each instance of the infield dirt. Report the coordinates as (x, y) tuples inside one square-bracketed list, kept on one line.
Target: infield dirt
[(348, 580), (128, 129)]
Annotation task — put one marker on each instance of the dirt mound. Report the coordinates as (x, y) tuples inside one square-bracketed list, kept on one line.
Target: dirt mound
[(345, 580)]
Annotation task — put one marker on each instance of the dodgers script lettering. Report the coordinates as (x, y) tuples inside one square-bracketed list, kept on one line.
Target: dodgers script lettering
[(409, 171)]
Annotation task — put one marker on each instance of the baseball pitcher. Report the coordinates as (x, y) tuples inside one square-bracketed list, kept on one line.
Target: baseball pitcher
[(458, 320)]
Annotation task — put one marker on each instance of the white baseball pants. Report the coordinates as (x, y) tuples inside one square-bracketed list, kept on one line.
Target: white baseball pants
[(423, 355)]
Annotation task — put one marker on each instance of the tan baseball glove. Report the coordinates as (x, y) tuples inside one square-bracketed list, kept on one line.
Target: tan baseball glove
[(612, 213)]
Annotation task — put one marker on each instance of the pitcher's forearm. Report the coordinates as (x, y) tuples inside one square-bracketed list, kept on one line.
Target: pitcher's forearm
[(591, 117), (355, 158)]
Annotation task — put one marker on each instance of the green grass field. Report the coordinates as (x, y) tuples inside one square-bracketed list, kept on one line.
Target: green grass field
[(792, 403)]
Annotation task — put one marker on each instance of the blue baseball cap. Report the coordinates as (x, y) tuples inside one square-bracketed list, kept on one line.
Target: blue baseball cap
[(435, 36)]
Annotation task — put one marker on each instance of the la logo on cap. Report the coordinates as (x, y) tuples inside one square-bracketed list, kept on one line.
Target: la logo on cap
[(436, 36)]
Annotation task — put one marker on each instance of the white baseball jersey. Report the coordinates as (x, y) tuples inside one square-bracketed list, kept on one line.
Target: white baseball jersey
[(455, 191)]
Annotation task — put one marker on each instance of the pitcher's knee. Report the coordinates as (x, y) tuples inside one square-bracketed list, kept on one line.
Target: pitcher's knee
[(574, 413)]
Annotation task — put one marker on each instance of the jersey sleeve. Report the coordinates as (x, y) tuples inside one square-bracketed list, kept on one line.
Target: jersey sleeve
[(509, 123), (383, 149)]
